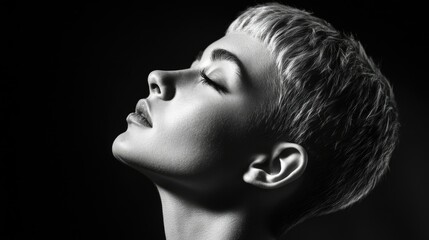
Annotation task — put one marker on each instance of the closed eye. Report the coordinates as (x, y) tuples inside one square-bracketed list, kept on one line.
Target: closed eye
[(206, 80)]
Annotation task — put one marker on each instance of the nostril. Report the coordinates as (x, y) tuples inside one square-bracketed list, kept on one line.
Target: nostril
[(155, 87)]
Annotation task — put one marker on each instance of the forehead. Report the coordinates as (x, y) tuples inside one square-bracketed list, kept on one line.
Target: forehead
[(258, 63)]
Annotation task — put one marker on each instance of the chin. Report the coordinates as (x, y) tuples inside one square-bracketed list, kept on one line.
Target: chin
[(124, 150), (119, 147)]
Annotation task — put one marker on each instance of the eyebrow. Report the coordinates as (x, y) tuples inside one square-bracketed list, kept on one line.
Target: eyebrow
[(220, 54)]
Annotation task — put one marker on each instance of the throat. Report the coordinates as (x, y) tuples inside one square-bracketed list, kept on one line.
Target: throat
[(187, 220)]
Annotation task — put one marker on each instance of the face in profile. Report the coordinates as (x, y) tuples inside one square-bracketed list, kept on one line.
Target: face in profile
[(198, 134)]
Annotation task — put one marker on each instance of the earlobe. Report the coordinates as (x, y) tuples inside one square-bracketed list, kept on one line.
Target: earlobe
[(286, 163)]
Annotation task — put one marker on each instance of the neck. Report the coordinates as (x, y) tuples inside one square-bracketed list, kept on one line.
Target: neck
[(186, 220)]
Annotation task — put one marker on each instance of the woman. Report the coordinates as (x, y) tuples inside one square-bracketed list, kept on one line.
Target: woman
[(282, 119)]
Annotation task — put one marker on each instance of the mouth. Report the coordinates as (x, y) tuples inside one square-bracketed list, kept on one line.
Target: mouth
[(141, 116)]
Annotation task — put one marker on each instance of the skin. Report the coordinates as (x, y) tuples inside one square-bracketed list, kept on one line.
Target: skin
[(200, 145), (199, 133)]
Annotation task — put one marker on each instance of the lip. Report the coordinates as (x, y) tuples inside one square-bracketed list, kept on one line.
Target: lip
[(141, 115)]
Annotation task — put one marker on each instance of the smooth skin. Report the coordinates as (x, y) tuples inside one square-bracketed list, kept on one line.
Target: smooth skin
[(208, 165)]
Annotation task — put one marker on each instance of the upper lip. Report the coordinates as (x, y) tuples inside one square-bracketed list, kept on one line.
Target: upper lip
[(142, 109)]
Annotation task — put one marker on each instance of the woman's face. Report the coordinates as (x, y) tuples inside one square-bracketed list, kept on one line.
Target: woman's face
[(199, 134)]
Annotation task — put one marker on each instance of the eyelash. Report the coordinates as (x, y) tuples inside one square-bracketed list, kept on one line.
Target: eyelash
[(206, 80)]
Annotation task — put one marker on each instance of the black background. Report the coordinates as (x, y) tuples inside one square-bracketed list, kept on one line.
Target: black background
[(75, 70)]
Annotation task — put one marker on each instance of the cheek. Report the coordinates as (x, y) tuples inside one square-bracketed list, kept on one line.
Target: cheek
[(198, 136), (193, 142)]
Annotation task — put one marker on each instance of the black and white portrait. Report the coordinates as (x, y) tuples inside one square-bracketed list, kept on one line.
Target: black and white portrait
[(219, 120)]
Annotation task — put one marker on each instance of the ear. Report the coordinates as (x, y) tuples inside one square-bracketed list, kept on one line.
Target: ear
[(287, 163)]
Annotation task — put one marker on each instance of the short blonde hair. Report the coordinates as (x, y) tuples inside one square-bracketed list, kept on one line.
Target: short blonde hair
[(332, 99)]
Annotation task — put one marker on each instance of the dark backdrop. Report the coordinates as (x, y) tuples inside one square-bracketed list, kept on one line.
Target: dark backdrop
[(75, 70)]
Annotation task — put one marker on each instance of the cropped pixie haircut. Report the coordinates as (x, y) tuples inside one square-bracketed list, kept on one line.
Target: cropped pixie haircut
[(332, 99)]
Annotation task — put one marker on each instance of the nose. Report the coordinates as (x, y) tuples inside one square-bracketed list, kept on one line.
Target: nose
[(161, 84)]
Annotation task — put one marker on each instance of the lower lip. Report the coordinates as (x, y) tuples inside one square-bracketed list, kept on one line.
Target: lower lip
[(138, 119)]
